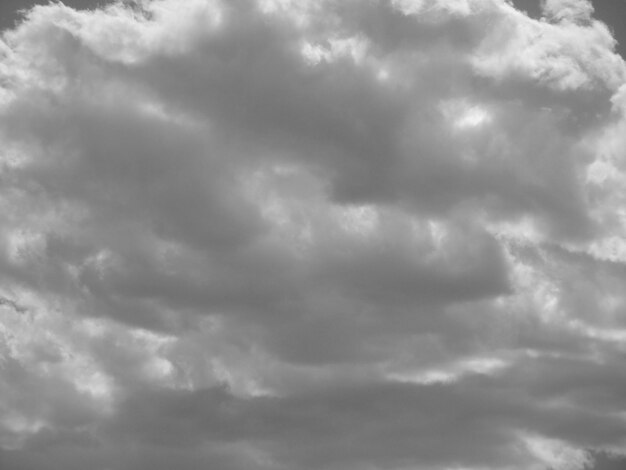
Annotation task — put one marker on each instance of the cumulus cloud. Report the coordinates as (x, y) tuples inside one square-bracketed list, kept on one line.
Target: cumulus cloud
[(312, 235)]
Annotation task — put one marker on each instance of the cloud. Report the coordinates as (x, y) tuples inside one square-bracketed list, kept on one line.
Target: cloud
[(568, 10), (311, 235)]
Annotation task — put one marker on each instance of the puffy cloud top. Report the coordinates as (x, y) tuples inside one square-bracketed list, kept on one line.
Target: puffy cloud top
[(332, 235), (568, 10)]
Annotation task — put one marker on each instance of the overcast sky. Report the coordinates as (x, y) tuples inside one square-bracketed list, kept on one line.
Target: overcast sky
[(313, 235)]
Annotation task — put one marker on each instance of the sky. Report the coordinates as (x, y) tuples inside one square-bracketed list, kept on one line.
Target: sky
[(313, 235)]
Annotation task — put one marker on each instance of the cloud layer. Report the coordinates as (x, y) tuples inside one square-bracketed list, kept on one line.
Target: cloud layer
[(312, 235)]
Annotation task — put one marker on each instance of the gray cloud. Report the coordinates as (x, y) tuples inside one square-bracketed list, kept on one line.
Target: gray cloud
[(311, 235)]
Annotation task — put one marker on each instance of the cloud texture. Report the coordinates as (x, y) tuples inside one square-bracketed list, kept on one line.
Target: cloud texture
[(306, 235)]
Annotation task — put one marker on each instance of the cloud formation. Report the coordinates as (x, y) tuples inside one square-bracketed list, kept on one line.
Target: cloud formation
[(312, 235)]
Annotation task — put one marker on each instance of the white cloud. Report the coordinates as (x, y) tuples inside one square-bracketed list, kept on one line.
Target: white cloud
[(311, 235)]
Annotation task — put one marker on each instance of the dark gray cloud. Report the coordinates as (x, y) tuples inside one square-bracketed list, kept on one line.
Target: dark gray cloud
[(312, 235)]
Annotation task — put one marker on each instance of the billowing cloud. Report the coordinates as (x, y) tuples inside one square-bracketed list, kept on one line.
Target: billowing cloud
[(312, 235)]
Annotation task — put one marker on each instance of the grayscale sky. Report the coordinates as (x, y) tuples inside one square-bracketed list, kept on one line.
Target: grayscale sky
[(611, 12), (313, 235), (10, 10)]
